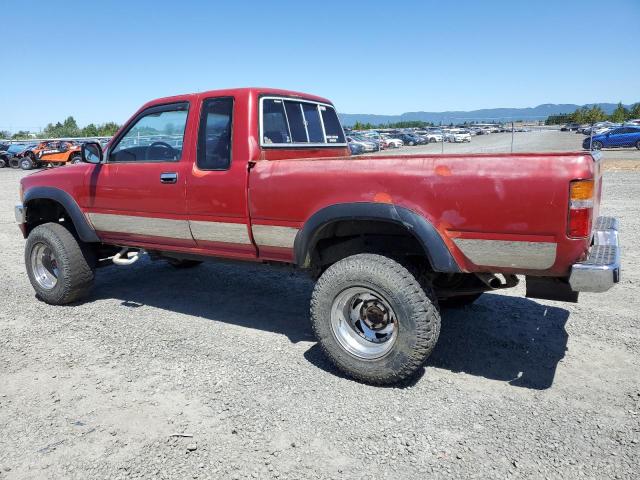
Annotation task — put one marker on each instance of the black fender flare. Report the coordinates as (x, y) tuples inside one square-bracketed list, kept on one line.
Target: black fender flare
[(436, 250), (82, 226)]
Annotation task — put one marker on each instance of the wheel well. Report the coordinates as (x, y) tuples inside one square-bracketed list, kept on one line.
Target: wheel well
[(45, 210), (340, 239)]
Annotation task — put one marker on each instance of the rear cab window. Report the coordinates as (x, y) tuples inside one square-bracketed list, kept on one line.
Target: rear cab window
[(287, 122)]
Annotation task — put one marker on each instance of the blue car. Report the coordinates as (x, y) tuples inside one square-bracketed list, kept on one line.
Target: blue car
[(616, 137)]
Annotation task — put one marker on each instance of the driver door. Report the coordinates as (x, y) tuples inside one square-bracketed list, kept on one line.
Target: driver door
[(137, 197)]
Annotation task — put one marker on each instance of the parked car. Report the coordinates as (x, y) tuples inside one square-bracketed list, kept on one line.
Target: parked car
[(379, 236), (434, 136), (410, 139), (391, 142), (367, 146), (16, 151), (457, 136), (614, 138), (51, 153), (570, 127), (356, 148)]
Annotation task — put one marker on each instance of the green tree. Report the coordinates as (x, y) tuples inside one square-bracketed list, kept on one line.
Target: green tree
[(5, 134), (90, 131), (634, 112), (20, 135), (620, 114)]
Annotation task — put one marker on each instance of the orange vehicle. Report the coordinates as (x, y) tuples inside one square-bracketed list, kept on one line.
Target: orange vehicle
[(51, 153)]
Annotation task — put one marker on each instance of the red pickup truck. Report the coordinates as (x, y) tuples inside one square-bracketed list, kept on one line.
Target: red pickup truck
[(265, 175)]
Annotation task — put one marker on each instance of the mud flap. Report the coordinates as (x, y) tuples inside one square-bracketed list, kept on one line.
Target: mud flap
[(550, 288)]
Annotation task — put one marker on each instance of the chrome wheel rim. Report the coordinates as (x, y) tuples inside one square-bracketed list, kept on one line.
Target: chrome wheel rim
[(44, 266), (364, 323)]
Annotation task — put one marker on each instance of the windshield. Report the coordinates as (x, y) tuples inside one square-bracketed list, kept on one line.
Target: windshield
[(15, 148)]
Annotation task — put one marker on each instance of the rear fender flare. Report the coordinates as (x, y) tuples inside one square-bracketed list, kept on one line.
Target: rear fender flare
[(434, 246), (82, 226)]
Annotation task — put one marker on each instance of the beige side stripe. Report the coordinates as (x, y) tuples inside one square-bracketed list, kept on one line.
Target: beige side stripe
[(273, 236), (510, 254)]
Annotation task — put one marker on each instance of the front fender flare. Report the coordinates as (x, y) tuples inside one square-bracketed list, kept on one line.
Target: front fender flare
[(436, 250), (82, 226)]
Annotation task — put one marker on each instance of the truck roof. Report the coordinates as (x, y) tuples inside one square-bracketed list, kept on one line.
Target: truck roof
[(237, 92)]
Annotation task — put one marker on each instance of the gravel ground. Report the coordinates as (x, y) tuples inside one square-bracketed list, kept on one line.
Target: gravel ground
[(214, 373)]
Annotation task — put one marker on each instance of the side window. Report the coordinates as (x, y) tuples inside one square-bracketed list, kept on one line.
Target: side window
[(155, 136), (332, 128), (274, 122), (214, 137)]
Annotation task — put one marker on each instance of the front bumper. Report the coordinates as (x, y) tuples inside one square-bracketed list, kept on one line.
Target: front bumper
[(601, 270), (20, 212)]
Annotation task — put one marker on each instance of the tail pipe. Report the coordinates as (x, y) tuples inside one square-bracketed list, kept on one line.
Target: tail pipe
[(124, 257), (495, 283)]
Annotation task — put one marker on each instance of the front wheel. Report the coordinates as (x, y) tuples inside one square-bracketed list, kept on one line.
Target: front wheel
[(373, 319), (596, 145), (60, 268), (638, 144), (26, 163)]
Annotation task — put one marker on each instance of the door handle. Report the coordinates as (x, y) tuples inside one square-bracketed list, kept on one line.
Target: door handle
[(170, 177)]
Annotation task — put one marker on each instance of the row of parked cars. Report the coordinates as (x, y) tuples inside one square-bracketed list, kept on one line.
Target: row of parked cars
[(607, 134), (373, 140), (49, 153)]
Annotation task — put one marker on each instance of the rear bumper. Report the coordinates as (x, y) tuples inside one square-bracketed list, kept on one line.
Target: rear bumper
[(601, 270)]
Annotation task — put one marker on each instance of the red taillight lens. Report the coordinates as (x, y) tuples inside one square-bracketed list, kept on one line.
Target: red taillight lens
[(580, 208), (579, 222)]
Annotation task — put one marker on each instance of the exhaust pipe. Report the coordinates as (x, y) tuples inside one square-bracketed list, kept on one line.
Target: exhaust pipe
[(124, 257), (495, 283)]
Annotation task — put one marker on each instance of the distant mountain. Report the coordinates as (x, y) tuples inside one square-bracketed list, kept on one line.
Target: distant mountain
[(541, 112)]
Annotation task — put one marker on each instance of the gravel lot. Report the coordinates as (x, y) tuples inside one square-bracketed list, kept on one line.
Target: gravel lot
[(224, 354)]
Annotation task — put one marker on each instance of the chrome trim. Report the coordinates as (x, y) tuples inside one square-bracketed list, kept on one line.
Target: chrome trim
[(601, 270), (148, 226), (274, 236), (20, 213), (220, 232), (508, 253)]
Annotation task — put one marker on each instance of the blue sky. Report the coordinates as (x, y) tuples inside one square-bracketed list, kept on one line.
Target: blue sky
[(99, 61)]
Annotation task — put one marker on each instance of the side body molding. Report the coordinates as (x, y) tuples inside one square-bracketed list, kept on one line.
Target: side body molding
[(84, 229), (435, 248)]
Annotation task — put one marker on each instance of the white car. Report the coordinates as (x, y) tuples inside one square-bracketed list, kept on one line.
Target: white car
[(457, 136), (392, 142), (433, 137)]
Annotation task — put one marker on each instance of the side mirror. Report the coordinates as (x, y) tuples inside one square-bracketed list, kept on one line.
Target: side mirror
[(92, 152)]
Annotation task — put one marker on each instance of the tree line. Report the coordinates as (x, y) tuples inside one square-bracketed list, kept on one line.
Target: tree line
[(595, 114), (67, 128)]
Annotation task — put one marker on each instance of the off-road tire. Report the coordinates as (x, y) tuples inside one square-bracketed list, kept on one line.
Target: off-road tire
[(3, 163), (14, 162), (182, 264), (26, 163), (75, 159), (417, 314), (459, 301), (76, 264)]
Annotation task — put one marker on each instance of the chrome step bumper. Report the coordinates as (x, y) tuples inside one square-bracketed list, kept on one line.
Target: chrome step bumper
[(601, 270)]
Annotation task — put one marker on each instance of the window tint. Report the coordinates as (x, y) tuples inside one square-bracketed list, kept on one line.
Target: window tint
[(332, 127), (296, 122), (274, 122), (299, 122), (314, 127), (156, 136), (214, 142)]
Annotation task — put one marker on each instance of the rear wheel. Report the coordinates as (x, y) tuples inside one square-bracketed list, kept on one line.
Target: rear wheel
[(373, 320), (76, 159), (3, 163), (60, 268)]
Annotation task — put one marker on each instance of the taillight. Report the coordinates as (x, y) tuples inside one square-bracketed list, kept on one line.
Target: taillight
[(580, 208)]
